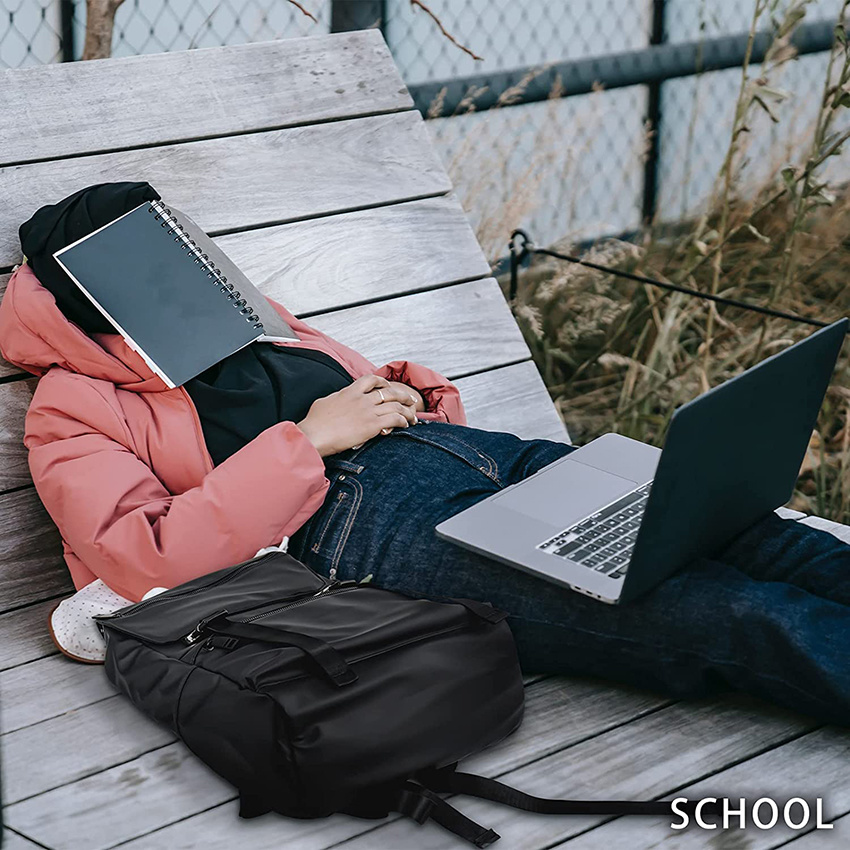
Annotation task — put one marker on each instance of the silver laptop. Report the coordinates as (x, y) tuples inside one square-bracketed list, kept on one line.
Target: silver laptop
[(615, 517)]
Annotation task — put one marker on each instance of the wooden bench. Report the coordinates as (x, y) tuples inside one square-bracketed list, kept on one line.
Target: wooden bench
[(307, 160)]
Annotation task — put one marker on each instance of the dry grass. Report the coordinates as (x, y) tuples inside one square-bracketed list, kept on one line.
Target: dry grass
[(622, 356)]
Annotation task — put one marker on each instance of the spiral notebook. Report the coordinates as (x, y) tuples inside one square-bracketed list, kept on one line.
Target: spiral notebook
[(171, 292)]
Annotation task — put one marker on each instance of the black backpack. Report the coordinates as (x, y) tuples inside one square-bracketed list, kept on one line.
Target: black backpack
[(313, 697)]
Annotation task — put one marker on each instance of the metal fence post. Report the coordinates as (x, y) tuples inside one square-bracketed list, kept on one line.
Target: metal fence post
[(66, 29), (347, 15), (657, 36)]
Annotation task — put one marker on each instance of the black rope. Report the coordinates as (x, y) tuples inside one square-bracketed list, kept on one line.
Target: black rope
[(519, 252)]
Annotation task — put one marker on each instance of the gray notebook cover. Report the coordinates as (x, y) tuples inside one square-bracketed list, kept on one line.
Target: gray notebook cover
[(165, 300)]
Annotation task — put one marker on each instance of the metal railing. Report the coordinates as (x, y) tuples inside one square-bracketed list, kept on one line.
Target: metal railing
[(611, 78)]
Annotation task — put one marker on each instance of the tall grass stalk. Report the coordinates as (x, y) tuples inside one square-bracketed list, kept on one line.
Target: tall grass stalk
[(619, 355)]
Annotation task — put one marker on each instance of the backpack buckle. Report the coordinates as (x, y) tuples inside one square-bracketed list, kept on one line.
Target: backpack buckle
[(417, 804), (198, 632), (420, 804)]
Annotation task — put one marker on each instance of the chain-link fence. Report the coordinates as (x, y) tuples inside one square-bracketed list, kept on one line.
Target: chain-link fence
[(563, 166)]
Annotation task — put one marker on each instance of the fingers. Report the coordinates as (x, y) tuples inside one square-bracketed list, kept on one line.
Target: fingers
[(408, 411), (392, 420), (367, 383), (392, 393)]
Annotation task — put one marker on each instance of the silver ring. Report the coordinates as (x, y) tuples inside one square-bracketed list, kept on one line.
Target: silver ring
[(381, 395)]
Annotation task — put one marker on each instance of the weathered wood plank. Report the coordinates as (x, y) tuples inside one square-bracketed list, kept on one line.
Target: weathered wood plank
[(112, 805), (13, 841), (512, 399), (72, 108), (24, 637), (817, 839), (15, 398), (30, 558), (642, 760), (247, 181), (327, 263), (97, 812), (815, 765), (35, 692), (842, 532), (74, 745), (457, 330)]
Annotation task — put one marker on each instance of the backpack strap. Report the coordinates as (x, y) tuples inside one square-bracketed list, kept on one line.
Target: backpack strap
[(326, 657), (421, 804), (483, 610), (419, 801), (447, 780)]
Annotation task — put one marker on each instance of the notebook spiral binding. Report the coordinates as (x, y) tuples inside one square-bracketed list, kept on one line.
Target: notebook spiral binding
[(163, 215)]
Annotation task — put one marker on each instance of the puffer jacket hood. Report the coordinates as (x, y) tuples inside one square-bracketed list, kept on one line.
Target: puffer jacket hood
[(35, 335)]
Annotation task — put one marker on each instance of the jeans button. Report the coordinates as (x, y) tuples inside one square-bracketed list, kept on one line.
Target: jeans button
[(341, 478)]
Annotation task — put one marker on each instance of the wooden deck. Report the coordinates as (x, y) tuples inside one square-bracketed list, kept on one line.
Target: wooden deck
[(306, 159)]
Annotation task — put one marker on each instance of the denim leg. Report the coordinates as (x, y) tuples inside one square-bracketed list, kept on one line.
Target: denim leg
[(707, 629), (776, 549), (713, 626)]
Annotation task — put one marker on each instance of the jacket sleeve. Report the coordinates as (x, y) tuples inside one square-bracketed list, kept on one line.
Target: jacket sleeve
[(121, 521), (441, 396)]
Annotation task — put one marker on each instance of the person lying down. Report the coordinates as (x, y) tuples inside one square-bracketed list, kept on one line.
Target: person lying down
[(352, 465)]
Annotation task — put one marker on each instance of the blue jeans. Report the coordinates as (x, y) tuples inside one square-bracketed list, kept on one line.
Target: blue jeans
[(770, 616)]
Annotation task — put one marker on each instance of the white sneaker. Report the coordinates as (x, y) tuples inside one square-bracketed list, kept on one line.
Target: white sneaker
[(71, 625)]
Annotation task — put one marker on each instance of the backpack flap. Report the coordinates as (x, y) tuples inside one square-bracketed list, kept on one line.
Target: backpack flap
[(270, 579)]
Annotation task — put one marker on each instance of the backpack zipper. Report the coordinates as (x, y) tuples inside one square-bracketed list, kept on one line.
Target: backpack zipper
[(331, 589), (221, 580), (198, 632)]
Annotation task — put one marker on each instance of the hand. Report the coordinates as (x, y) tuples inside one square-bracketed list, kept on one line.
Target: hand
[(362, 410), (418, 401)]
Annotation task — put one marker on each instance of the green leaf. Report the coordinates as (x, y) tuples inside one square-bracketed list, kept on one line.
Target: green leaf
[(840, 34)]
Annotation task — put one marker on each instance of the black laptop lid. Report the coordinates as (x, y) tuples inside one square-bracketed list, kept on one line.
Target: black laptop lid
[(731, 456)]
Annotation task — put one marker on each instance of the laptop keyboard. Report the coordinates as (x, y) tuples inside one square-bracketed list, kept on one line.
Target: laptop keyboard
[(603, 541)]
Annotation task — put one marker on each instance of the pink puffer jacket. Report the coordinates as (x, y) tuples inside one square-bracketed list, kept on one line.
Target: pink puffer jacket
[(120, 462)]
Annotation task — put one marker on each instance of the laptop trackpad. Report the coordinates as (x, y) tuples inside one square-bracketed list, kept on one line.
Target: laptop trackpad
[(566, 493)]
